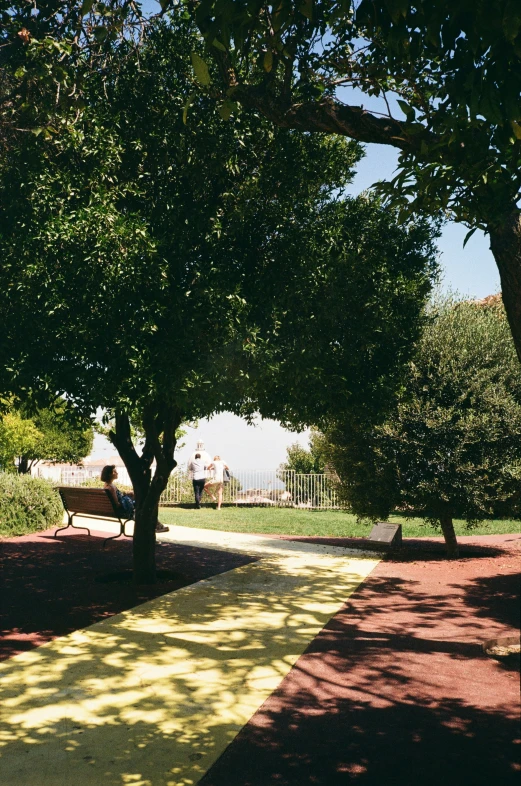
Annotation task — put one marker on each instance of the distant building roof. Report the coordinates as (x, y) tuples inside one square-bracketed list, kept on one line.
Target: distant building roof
[(103, 461), (490, 300)]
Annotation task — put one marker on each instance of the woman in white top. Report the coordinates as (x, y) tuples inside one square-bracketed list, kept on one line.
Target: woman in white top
[(216, 483)]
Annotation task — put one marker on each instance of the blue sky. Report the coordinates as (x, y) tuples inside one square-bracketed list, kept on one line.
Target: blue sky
[(470, 271)]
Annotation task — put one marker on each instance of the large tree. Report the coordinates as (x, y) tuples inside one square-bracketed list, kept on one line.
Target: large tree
[(451, 447), (454, 67), (153, 253)]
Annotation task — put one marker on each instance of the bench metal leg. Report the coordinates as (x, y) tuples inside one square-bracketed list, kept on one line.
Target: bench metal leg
[(121, 532), (70, 524)]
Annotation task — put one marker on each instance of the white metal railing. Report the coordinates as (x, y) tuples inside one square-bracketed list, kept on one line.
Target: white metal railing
[(260, 487), (264, 487), (79, 477)]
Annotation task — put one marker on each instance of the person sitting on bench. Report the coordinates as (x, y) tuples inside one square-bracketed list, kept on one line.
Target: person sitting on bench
[(126, 502)]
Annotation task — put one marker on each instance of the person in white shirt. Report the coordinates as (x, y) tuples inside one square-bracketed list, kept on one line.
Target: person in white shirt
[(204, 455), (215, 485), (198, 469)]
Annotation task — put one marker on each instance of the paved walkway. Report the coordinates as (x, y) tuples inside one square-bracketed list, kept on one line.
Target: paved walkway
[(153, 696)]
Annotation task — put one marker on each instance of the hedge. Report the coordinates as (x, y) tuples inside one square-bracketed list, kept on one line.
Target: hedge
[(27, 505)]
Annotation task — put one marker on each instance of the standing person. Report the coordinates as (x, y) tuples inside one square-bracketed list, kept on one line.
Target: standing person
[(125, 502), (204, 455), (197, 467), (216, 484)]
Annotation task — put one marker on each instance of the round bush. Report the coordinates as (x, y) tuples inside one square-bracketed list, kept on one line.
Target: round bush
[(27, 505)]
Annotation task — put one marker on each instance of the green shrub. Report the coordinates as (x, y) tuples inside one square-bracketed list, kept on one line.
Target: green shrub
[(27, 505)]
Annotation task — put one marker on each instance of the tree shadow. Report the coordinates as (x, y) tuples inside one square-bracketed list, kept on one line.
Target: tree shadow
[(496, 597), (341, 741), (52, 586), (155, 696), (395, 690), (412, 549)]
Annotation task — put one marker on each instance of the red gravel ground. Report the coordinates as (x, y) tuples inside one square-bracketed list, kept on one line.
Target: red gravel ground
[(396, 689), (52, 586)]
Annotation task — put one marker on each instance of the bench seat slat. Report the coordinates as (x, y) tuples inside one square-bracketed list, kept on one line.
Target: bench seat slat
[(93, 502)]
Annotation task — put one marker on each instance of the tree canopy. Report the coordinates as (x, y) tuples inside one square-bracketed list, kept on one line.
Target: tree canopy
[(52, 434), (451, 448), (452, 70), (167, 265)]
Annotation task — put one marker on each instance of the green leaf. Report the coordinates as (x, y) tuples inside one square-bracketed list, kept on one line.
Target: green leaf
[(397, 8), (468, 236), (189, 101), (516, 129), (200, 69), (267, 62), (217, 44), (100, 33), (306, 9), (226, 109), (406, 109), (86, 6), (512, 20)]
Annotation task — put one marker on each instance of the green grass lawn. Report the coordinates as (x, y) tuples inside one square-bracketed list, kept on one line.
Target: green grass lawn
[(291, 521)]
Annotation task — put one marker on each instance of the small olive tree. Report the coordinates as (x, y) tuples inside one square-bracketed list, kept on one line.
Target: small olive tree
[(452, 445)]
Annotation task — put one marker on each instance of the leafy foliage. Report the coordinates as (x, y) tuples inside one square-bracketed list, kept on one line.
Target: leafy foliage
[(18, 437), (456, 75), (168, 265), (48, 49), (306, 461), (452, 446), (453, 70), (52, 434), (27, 505)]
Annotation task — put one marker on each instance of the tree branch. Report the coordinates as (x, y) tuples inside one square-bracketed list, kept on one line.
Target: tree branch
[(121, 438), (331, 117), (326, 116)]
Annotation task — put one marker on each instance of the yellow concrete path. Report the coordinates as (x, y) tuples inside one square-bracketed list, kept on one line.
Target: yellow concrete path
[(153, 696)]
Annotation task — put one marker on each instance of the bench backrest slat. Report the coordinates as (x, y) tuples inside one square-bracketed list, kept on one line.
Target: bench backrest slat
[(95, 502)]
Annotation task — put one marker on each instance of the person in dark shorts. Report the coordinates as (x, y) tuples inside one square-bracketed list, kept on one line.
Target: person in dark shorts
[(197, 467)]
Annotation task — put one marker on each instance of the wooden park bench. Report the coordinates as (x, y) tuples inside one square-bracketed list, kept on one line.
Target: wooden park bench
[(93, 503)]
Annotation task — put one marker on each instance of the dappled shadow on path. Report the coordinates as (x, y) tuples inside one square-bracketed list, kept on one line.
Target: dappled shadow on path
[(496, 597), (395, 690), (52, 586), (155, 696), (344, 741)]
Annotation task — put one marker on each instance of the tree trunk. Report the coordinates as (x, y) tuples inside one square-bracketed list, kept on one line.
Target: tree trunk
[(144, 541), (23, 465), (505, 244), (447, 527), (160, 442)]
